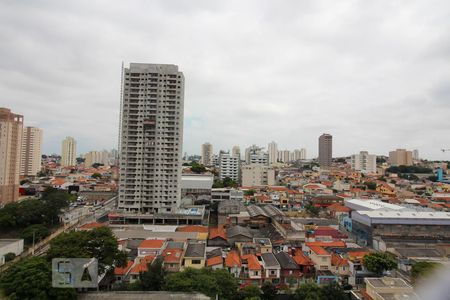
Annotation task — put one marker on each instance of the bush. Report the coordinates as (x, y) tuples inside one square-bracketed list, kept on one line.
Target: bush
[(9, 256)]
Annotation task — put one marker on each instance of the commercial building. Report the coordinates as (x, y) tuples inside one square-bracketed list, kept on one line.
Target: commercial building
[(31, 151), (196, 187), (68, 152), (257, 175), (325, 150), (11, 130), (229, 166), (364, 162), (151, 138), (207, 154), (400, 157), (273, 152)]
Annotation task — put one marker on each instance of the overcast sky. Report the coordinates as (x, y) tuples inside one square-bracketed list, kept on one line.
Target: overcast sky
[(374, 74)]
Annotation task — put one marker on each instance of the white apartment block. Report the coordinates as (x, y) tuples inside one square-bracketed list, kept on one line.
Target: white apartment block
[(257, 175), (31, 151), (207, 154), (68, 152), (151, 138), (97, 157), (236, 151), (229, 166), (298, 154), (364, 162), (284, 156), (273, 152)]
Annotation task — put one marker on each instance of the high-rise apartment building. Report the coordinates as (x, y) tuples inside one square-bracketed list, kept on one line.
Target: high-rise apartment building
[(31, 151), (256, 155), (229, 166), (298, 154), (97, 157), (325, 150), (364, 162), (257, 175), (272, 149), (11, 130), (236, 151), (400, 157), (415, 154), (207, 154), (151, 138), (68, 152)]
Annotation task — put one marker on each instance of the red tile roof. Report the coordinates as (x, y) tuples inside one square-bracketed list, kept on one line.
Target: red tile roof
[(337, 207), (335, 244), (213, 261), (172, 255), (217, 232), (152, 244), (338, 261), (124, 270), (193, 228), (302, 259), (252, 261), (91, 225), (318, 250), (233, 259), (141, 267)]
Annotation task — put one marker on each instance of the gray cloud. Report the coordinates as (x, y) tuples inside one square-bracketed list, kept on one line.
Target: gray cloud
[(374, 74)]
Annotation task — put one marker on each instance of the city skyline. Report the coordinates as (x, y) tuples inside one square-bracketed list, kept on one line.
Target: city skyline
[(369, 94)]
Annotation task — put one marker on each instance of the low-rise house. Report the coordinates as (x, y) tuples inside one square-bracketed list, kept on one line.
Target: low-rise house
[(290, 271), (172, 259), (238, 234), (264, 245), (305, 264), (195, 256), (233, 263), (339, 265), (152, 247), (217, 237), (253, 271), (389, 288), (272, 268), (215, 262), (121, 274), (140, 266)]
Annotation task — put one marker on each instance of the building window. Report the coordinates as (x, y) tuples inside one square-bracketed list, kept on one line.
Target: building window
[(196, 261)]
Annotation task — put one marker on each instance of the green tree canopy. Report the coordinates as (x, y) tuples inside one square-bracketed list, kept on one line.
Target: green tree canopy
[(379, 262), (312, 210), (250, 292), (423, 269), (308, 291), (153, 279), (207, 281), (96, 176), (99, 243), (250, 192), (198, 168), (269, 291), (30, 279), (371, 185), (36, 231), (9, 256)]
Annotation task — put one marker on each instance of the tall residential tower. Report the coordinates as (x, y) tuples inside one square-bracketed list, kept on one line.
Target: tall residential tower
[(68, 152), (207, 154), (325, 150), (11, 129), (31, 151), (151, 138)]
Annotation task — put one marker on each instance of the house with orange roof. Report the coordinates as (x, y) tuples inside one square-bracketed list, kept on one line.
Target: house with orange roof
[(151, 247), (172, 259), (140, 266), (254, 271), (215, 262), (192, 228), (233, 263), (320, 257), (304, 262), (385, 189), (121, 274), (339, 265), (337, 209), (217, 237)]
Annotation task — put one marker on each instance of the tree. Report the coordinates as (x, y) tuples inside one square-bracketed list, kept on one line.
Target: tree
[(379, 262), (36, 233), (96, 165), (197, 168), (371, 185), (30, 279), (308, 291), (228, 182), (250, 192), (96, 176), (153, 279), (312, 210), (269, 291), (250, 292), (333, 291), (423, 269), (99, 243), (207, 281), (9, 256)]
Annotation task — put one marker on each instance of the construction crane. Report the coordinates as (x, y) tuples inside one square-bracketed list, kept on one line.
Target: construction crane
[(444, 150)]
